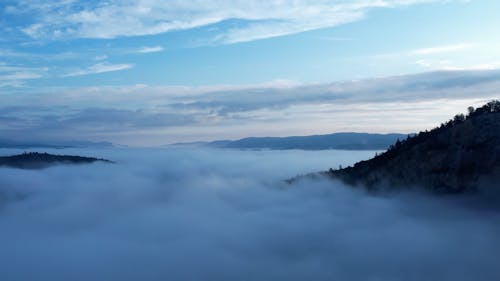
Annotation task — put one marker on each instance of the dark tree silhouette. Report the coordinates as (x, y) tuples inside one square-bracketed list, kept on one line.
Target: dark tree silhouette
[(451, 158)]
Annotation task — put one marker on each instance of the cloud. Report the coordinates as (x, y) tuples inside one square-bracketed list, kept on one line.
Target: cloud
[(447, 65), (109, 119), (145, 115), (419, 87), (478, 67), (101, 57), (59, 121), (146, 50), (226, 215), (6, 53), (438, 58), (429, 51), (15, 76), (20, 76), (255, 19), (427, 63), (99, 68), (443, 49)]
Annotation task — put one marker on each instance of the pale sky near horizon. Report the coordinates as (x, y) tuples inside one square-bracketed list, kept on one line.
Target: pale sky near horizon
[(150, 72)]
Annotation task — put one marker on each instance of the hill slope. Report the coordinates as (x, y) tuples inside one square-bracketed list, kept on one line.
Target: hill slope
[(449, 159)]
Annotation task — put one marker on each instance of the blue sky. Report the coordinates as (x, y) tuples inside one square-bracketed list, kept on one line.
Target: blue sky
[(142, 59)]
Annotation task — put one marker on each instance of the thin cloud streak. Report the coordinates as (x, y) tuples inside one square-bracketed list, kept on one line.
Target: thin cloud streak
[(443, 49), (16, 76), (147, 50), (99, 68)]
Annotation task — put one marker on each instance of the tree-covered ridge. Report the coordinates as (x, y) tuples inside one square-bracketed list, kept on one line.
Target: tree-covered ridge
[(35, 160), (450, 158)]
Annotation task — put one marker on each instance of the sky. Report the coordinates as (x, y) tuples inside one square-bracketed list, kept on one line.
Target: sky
[(150, 72)]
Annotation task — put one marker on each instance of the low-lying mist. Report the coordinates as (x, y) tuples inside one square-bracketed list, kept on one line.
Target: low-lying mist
[(180, 214)]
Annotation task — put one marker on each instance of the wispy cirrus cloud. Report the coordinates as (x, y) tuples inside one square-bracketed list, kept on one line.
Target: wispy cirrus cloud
[(448, 65), (258, 19), (475, 67), (441, 57), (16, 76), (99, 68), (147, 50), (430, 51), (443, 49)]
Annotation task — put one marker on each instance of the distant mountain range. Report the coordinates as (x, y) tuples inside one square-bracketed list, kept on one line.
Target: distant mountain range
[(344, 141), (462, 154), (6, 143), (35, 160)]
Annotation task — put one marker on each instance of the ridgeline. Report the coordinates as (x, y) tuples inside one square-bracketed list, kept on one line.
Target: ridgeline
[(458, 156), (452, 158)]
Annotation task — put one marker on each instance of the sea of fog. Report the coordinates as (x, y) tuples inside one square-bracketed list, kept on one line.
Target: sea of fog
[(202, 214)]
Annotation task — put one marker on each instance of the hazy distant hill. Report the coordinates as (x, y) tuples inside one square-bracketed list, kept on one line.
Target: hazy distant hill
[(347, 141), (451, 158), (6, 143), (35, 160)]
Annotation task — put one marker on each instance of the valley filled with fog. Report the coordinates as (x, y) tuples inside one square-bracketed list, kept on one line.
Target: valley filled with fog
[(216, 214)]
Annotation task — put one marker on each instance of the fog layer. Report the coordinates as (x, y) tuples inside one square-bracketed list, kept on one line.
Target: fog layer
[(178, 214)]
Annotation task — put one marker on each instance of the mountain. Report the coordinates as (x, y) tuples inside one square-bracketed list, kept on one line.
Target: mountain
[(35, 160), (458, 156), (6, 143), (345, 141)]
